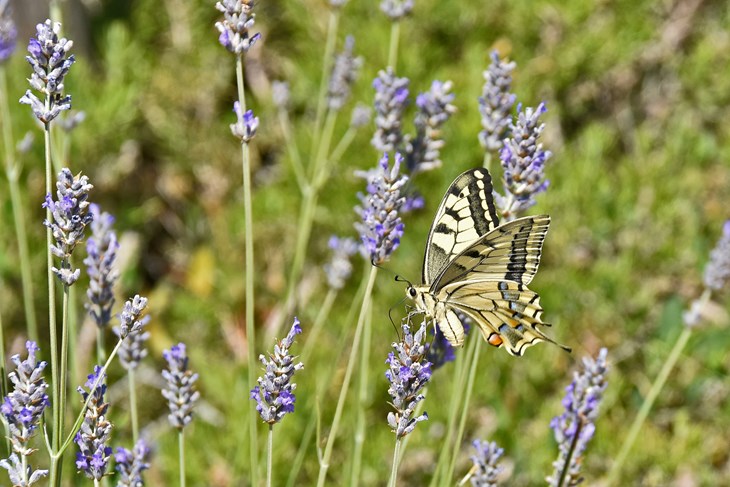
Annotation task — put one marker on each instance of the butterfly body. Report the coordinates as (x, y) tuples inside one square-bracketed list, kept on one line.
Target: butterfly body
[(475, 266)]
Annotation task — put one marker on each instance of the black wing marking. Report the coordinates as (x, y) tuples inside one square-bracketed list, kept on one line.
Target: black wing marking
[(466, 213), (510, 252)]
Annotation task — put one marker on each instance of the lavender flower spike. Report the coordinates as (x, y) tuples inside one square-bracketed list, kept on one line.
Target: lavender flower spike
[(339, 268), (486, 464), (344, 75), (434, 109), (131, 464), (391, 99), (575, 427), (16, 472), (246, 124), (8, 32), (131, 330), (22, 410), (523, 161), (717, 271), (101, 248), (180, 390), (238, 20), (274, 395), (408, 373), (496, 103), (50, 66), (92, 439), (396, 9), (280, 94), (381, 227), (70, 216)]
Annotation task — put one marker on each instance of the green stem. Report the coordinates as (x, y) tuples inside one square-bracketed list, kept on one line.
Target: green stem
[(63, 375), (465, 409), (133, 404), (393, 49), (12, 171), (100, 339), (249, 285), (181, 449), (360, 430), (269, 455), (4, 380), (313, 336), (327, 61), (291, 147), (301, 452), (342, 145), (487, 163), (457, 393), (396, 461), (651, 397), (324, 464)]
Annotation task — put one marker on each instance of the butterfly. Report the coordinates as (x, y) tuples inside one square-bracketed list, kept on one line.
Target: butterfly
[(475, 266)]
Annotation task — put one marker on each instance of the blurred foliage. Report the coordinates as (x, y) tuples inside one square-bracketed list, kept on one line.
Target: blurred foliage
[(638, 98)]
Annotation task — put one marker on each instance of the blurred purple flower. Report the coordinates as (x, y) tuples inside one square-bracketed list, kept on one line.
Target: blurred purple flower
[(339, 268), (396, 9), (434, 109), (101, 248), (523, 161), (391, 99), (486, 463), (717, 271), (344, 74), (496, 103), (8, 32), (575, 427)]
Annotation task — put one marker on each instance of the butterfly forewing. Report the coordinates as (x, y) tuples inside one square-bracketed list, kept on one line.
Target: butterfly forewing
[(510, 252), (466, 213)]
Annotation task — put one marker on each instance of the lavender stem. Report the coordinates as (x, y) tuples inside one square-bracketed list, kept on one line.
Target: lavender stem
[(12, 171), (249, 274), (360, 429), (327, 61), (393, 47), (324, 463), (396, 462), (291, 146), (269, 455), (646, 406), (133, 404), (181, 450)]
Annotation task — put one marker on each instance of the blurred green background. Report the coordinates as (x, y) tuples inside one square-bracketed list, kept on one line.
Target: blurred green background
[(638, 96)]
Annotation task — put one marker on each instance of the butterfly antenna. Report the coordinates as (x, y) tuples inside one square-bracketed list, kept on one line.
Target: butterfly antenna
[(403, 279)]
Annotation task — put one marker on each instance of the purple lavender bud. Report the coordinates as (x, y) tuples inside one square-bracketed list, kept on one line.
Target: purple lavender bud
[(717, 271), (70, 216), (92, 438), (339, 268), (274, 395), (50, 66), (14, 466), (8, 32), (407, 374), (360, 116), (180, 390), (344, 74), (280, 94), (131, 464), (414, 201), (434, 109), (246, 124), (238, 20), (396, 9), (486, 463), (523, 161), (101, 248), (23, 407), (575, 427), (439, 351), (496, 103), (381, 227), (70, 122), (391, 99)]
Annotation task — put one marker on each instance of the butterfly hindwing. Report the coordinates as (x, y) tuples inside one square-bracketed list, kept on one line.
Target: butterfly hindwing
[(466, 213), (507, 312)]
